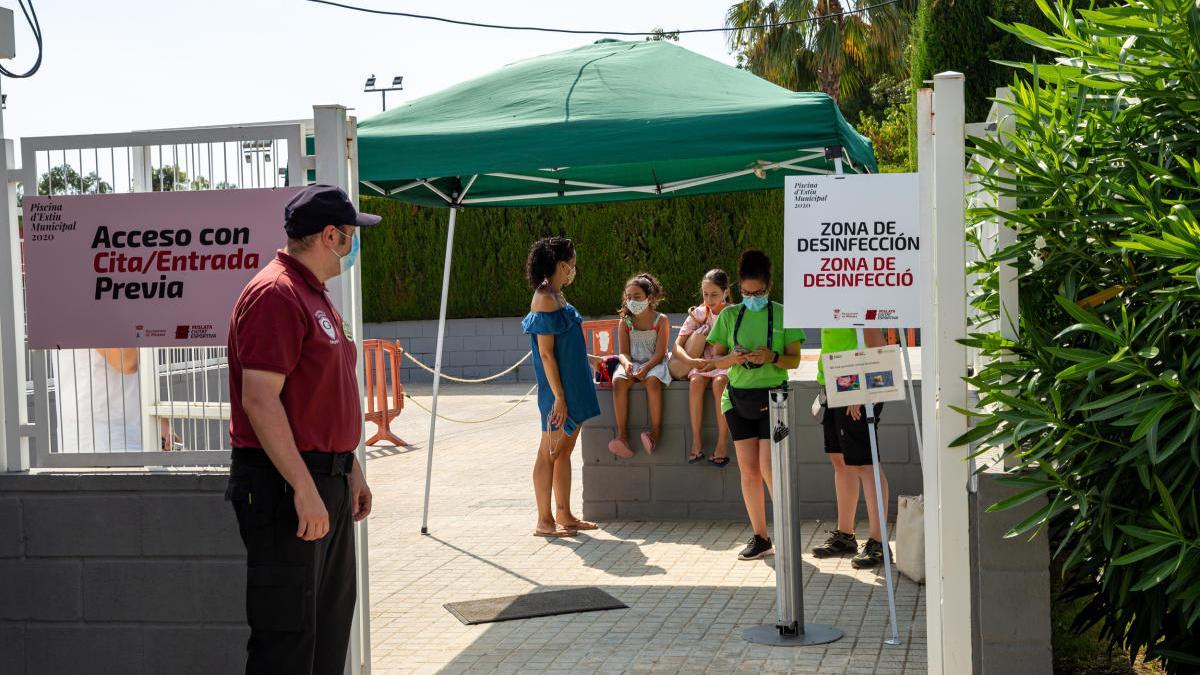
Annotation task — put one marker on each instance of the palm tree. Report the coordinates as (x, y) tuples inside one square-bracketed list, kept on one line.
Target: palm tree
[(859, 41)]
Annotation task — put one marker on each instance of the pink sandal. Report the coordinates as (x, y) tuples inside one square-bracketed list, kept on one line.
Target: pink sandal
[(648, 442), (620, 448)]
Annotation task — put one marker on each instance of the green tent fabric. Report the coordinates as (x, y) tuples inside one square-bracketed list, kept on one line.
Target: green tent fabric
[(610, 121)]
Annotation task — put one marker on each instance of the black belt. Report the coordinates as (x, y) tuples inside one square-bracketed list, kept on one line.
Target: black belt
[(319, 463)]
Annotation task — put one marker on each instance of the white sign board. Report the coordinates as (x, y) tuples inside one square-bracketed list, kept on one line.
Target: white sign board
[(851, 251), (152, 269), (861, 376)]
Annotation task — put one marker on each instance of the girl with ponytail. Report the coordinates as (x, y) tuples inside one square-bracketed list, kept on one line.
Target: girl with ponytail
[(566, 395), (643, 338)]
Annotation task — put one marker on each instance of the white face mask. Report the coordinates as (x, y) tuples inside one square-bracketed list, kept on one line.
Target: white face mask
[(637, 306)]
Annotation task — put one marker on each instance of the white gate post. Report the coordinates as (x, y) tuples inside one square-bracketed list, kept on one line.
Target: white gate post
[(14, 409), (929, 371), (1006, 234), (140, 180), (336, 164), (945, 366)]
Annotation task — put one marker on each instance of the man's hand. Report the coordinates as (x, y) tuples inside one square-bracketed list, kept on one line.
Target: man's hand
[(360, 495), (855, 412), (310, 511), (166, 437)]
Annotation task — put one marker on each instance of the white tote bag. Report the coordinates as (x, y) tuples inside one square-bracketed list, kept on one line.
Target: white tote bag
[(910, 537)]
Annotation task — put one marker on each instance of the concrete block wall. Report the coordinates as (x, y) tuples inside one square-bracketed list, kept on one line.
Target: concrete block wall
[(1011, 586), (663, 486), (120, 573), (473, 347)]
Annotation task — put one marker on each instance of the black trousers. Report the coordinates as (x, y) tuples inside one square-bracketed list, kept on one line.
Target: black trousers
[(849, 436), (300, 594)]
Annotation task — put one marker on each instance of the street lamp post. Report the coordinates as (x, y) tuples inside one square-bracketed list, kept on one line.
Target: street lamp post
[(397, 85)]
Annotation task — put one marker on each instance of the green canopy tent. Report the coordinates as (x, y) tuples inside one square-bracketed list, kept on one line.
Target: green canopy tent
[(610, 121)]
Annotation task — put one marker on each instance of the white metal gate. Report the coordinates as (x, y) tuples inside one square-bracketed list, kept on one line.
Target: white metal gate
[(123, 407), (179, 394)]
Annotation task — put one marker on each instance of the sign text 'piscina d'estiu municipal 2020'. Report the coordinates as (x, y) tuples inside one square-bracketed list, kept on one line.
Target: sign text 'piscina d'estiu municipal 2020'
[(852, 248), (160, 269)]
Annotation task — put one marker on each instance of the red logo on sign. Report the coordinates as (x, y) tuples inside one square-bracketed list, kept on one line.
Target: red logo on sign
[(871, 315), (181, 332)]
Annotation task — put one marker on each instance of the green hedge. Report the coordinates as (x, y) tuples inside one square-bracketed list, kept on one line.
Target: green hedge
[(675, 239)]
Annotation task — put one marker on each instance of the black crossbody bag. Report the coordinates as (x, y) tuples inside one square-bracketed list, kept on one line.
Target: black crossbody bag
[(751, 404)]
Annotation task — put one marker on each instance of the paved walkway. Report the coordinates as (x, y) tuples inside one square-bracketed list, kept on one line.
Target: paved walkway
[(689, 597)]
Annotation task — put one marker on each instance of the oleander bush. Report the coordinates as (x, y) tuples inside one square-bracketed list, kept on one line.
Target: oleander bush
[(1098, 402)]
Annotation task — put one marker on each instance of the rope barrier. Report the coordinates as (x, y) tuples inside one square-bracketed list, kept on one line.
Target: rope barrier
[(467, 380), (483, 421)]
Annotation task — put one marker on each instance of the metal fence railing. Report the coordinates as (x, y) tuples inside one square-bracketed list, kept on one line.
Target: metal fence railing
[(144, 407)]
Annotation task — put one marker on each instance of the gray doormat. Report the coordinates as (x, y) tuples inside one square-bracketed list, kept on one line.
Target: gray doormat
[(547, 603)]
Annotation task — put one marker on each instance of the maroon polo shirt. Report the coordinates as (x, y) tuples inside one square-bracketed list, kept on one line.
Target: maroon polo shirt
[(283, 322)]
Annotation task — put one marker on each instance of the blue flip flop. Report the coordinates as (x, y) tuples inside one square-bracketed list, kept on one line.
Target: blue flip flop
[(719, 462)]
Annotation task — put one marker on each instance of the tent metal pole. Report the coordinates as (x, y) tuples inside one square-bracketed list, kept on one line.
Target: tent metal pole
[(437, 366)]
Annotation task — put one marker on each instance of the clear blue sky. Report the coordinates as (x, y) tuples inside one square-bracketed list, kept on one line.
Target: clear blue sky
[(123, 65)]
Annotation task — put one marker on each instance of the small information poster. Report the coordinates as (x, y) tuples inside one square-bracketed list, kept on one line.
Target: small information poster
[(871, 375), (852, 248)]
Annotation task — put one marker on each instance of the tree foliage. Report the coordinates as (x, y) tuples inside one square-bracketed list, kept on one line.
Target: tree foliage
[(66, 180), (840, 55), (172, 178), (1098, 401), (963, 36), (886, 122)]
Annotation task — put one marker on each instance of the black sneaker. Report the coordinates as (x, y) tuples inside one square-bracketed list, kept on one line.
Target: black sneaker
[(756, 549), (838, 543), (871, 556)]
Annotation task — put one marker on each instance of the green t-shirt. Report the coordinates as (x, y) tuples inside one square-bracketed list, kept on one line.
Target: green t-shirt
[(752, 335), (835, 340)]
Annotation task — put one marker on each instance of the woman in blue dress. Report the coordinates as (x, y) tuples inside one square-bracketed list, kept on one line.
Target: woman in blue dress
[(566, 392)]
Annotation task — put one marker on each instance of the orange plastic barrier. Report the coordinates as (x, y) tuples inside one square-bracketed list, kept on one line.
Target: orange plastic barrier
[(381, 358), (913, 335), (601, 336)]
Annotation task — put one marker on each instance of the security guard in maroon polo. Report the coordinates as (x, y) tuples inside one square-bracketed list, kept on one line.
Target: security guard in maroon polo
[(296, 421)]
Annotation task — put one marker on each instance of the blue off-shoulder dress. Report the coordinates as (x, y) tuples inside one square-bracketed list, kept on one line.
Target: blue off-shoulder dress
[(570, 352)]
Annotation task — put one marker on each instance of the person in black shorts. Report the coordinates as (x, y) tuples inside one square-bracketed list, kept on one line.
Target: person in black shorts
[(848, 444), (752, 343)]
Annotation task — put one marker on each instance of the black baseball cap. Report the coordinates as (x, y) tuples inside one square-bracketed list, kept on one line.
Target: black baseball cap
[(316, 206)]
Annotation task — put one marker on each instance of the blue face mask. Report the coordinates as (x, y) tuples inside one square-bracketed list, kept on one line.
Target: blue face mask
[(755, 303), (349, 259)]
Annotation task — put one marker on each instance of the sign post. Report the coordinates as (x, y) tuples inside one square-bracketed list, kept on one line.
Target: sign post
[(789, 630), (852, 251)]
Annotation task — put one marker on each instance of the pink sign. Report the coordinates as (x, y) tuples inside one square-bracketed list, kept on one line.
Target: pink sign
[(156, 269)]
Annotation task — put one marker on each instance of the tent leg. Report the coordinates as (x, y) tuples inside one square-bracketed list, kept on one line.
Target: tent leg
[(437, 366)]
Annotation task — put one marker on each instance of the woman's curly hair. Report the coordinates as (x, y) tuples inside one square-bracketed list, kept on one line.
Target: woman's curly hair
[(544, 256)]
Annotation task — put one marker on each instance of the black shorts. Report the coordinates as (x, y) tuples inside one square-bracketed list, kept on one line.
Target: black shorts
[(848, 436), (742, 429)]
